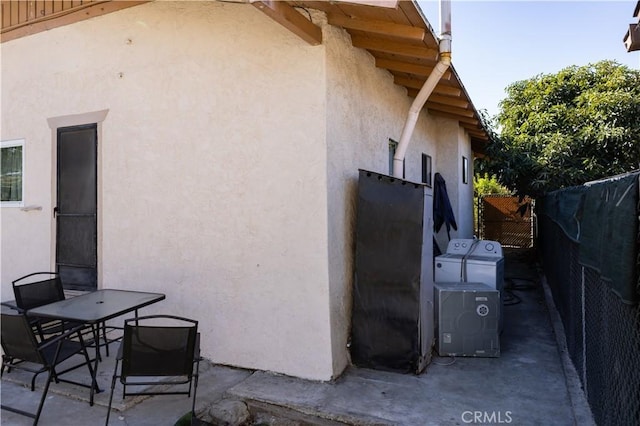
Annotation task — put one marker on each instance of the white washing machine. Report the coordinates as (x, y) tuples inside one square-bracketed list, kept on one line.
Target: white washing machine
[(473, 261)]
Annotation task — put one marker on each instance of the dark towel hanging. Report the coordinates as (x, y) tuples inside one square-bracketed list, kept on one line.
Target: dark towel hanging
[(442, 211)]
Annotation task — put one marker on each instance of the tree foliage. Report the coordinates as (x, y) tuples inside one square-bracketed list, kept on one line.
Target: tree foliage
[(564, 129), (483, 184)]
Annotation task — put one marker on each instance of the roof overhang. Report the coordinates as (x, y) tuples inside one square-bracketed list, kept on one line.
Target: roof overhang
[(24, 18), (631, 39), (395, 33), (402, 42)]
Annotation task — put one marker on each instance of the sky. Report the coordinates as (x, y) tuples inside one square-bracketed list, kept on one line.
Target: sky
[(496, 43)]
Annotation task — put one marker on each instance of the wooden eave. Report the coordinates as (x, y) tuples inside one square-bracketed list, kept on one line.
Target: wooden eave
[(23, 18), (403, 43), (400, 39)]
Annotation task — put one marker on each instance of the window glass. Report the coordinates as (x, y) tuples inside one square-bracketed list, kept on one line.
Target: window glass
[(465, 170), (11, 172), (426, 169)]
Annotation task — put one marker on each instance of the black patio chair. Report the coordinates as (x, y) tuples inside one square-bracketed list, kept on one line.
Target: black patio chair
[(41, 288), (22, 351), (156, 351), (32, 292)]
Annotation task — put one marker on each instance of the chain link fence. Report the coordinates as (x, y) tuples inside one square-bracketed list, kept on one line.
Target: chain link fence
[(602, 331)]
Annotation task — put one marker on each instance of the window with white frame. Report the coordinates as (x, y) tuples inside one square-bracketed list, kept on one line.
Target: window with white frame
[(12, 172)]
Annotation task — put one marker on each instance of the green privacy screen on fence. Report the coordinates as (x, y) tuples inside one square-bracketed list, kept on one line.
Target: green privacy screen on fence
[(595, 301), (602, 217)]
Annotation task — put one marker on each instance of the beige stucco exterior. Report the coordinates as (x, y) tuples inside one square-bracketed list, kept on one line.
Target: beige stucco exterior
[(228, 158), (452, 144)]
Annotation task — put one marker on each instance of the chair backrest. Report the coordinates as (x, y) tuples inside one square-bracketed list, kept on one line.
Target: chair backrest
[(158, 345), (18, 340), (31, 294)]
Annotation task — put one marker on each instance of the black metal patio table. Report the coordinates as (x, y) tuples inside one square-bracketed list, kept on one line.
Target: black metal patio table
[(95, 308)]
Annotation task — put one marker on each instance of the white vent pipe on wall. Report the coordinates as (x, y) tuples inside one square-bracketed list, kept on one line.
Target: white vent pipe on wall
[(444, 61)]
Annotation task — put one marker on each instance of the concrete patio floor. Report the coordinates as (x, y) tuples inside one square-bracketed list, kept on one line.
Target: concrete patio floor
[(531, 383)]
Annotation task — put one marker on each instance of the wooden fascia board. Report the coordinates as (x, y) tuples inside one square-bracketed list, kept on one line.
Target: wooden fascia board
[(384, 28), (416, 17), (394, 47), (291, 19), (66, 17)]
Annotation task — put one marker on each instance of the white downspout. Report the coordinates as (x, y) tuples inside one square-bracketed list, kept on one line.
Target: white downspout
[(444, 60)]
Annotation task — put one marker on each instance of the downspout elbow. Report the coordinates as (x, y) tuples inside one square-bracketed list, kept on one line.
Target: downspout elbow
[(444, 61)]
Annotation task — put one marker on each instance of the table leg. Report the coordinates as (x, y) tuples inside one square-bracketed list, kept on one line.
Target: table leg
[(95, 328)]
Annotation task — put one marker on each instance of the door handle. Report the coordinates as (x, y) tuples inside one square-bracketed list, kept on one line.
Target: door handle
[(55, 211)]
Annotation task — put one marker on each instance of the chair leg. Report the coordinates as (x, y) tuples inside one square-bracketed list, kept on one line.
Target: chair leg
[(5, 361), (85, 352), (33, 381), (43, 398), (195, 391), (113, 387)]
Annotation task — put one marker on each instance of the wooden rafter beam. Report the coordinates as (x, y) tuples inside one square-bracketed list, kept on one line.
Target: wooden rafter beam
[(445, 100), (477, 134), (384, 28), (291, 19), (472, 128), (394, 47), (451, 110), (461, 119), (409, 68), (411, 83), (391, 4), (448, 100), (442, 99)]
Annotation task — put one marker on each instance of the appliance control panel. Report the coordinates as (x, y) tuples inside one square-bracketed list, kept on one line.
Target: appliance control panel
[(459, 246), (463, 246), (489, 248)]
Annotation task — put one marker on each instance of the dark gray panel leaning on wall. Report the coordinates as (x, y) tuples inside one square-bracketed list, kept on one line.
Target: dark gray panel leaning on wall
[(386, 296)]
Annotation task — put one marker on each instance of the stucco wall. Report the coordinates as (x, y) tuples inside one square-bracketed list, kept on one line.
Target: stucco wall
[(452, 144), (465, 191), (213, 166), (228, 163)]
